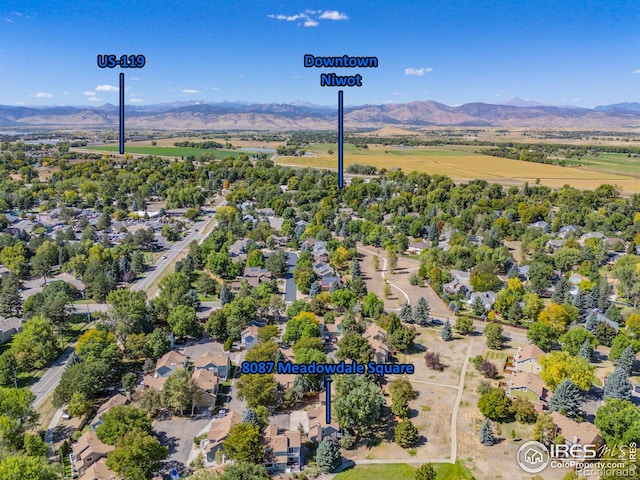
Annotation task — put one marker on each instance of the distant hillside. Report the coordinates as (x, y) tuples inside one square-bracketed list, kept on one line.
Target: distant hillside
[(305, 116)]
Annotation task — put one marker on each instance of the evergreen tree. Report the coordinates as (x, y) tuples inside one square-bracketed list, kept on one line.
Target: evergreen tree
[(225, 295), (586, 351), (394, 323), (603, 294), (486, 433), (355, 269), (613, 313), (10, 299), (406, 434), (314, 289), (446, 331), (627, 359), (249, 416), (425, 472), (561, 293), (359, 287), (513, 271), (334, 287), (578, 302), (618, 385), (592, 323), (593, 297), (405, 313), (566, 399), (421, 312), (477, 306), (328, 456)]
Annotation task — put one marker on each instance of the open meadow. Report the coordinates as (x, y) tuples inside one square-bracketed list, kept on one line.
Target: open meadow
[(462, 164)]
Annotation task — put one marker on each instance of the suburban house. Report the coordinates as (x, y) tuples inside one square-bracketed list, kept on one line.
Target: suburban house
[(217, 435), (99, 471), (461, 283), (238, 250), (416, 248), (249, 337), (9, 327), (322, 270), (488, 299), (87, 451), (529, 386), (567, 231), (207, 382), (542, 225), (284, 380), (588, 235), (218, 363), (574, 433), (527, 359), (169, 363), (256, 275), (375, 336), (331, 332), (114, 401), (607, 320), (283, 452), (327, 282), (319, 429)]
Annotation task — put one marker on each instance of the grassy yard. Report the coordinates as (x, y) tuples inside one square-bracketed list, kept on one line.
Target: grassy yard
[(169, 151), (401, 471)]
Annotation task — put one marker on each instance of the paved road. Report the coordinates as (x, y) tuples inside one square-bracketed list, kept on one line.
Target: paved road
[(45, 386), (290, 292)]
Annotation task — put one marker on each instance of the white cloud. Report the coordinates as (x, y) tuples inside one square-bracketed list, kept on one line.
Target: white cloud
[(310, 23), (333, 15), (419, 72), (42, 95), (89, 93), (106, 88), (190, 90), (636, 71), (136, 100), (288, 18)]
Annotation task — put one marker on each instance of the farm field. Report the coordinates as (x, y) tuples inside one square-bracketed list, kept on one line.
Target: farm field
[(462, 164), (166, 151), (620, 163)]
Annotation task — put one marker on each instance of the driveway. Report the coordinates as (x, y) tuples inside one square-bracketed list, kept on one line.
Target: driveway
[(290, 291), (178, 433)]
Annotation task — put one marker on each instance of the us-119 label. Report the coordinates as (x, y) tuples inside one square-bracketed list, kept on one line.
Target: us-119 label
[(124, 61)]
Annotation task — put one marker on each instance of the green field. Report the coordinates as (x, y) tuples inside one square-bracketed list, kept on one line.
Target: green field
[(402, 471), (609, 162), (168, 151)]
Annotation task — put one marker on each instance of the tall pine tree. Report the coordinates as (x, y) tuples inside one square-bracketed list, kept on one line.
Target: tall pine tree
[(446, 331), (561, 293), (225, 295), (618, 385), (592, 323), (328, 456), (627, 359), (10, 300), (421, 312), (405, 313), (566, 399), (586, 351), (486, 433)]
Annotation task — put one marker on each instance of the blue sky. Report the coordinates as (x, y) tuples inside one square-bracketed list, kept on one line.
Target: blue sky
[(565, 52)]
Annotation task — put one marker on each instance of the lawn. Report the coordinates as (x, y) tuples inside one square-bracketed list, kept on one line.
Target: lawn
[(168, 151), (460, 163), (620, 163), (402, 471)]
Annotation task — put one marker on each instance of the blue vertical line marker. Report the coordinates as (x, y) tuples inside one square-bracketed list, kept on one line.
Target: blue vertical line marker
[(327, 385), (340, 139), (121, 113)]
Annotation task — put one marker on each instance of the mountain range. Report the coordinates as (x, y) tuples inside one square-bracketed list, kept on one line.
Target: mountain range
[(305, 116)]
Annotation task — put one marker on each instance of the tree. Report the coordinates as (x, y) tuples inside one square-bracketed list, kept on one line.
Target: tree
[(328, 456), (129, 383), (402, 338), (618, 421), (184, 322), (592, 323), (276, 263), (406, 434), (35, 345), (158, 344), (372, 306), (486, 433), (243, 444), (566, 399), (257, 390), (122, 419), (586, 351), (239, 471), (618, 385), (477, 307), (128, 311), (137, 455), (542, 335), (400, 406), (421, 312), (605, 334), (314, 289), (352, 346), (359, 402), (495, 405), (523, 410), (627, 360), (557, 366), (225, 295), (46, 257), (544, 429), (425, 472), (25, 467), (34, 445), (493, 332), (179, 391), (10, 299), (556, 316), (8, 369), (464, 325), (304, 324), (574, 339), (405, 313), (432, 359), (446, 331), (78, 405), (619, 344)]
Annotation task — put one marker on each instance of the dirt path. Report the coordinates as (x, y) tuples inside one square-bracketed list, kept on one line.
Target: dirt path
[(456, 405)]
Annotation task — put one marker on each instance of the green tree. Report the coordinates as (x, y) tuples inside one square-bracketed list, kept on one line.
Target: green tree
[(421, 312), (486, 433), (137, 455), (78, 405), (244, 443), (406, 434), (122, 419), (557, 366), (158, 344), (35, 345), (240, 471), (618, 385), (372, 306), (627, 360), (567, 399), (184, 322), (425, 472), (495, 339), (257, 390), (574, 339), (618, 421), (542, 335), (328, 456), (495, 405), (359, 402), (445, 333), (8, 369), (276, 263), (179, 391), (605, 334), (128, 311), (10, 299), (523, 410), (463, 325), (400, 406), (23, 467), (619, 344), (352, 346)]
